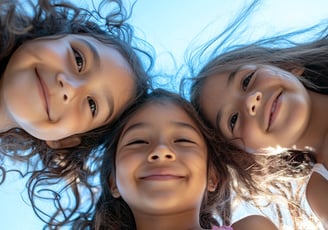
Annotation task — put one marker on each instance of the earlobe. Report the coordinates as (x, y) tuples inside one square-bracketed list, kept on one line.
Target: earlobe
[(297, 70), (213, 181), (113, 188), (211, 186), (115, 193), (67, 142)]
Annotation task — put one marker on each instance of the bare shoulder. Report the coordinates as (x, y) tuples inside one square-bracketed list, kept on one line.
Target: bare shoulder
[(316, 194), (254, 222)]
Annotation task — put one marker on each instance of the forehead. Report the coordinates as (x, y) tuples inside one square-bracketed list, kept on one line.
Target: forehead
[(160, 113), (214, 95)]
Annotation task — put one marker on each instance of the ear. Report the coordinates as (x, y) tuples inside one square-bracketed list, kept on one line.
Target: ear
[(296, 70), (113, 187), (213, 181), (67, 142)]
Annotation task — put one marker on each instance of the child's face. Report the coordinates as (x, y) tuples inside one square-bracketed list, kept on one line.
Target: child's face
[(54, 87), (161, 161), (263, 105)]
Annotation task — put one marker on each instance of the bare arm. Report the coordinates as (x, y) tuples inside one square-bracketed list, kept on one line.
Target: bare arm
[(254, 222)]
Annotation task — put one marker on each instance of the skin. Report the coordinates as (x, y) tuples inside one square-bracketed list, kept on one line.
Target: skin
[(299, 117), (160, 156), (244, 106), (56, 87), (254, 222)]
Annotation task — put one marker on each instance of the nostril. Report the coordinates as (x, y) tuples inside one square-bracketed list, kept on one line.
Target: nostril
[(258, 97), (154, 157), (253, 108), (65, 97), (169, 156), (61, 84)]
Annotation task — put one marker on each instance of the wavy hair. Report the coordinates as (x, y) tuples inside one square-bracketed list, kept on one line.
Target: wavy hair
[(114, 213), (57, 171), (272, 171)]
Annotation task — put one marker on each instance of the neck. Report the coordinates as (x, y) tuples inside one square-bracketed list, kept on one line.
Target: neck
[(188, 220), (6, 121), (315, 134)]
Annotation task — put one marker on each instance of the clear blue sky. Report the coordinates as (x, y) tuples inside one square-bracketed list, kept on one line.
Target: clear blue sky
[(170, 26)]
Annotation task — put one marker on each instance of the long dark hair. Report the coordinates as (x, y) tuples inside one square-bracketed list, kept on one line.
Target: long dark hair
[(113, 213), (65, 170), (271, 172)]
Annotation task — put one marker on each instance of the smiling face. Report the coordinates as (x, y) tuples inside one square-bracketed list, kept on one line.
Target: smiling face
[(54, 87), (160, 156), (263, 105)]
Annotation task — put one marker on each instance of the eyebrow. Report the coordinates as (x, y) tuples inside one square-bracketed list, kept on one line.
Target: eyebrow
[(186, 125), (232, 75), (133, 126), (218, 119), (110, 103), (94, 51), (175, 123)]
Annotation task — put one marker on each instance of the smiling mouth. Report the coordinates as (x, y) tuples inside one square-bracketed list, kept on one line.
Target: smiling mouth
[(273, 111), (162, 177), (44, 92)]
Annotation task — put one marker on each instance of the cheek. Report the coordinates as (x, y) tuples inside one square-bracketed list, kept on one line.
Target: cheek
[(250, 135), (125, 168)]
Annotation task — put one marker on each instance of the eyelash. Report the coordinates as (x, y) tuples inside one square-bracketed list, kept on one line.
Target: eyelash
[(92, 106), (79, 59), (233, 121), (246, 81), (138, 142), (183, 140), (244, 84)]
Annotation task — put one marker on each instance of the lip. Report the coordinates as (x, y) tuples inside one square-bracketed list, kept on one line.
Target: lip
[(161, 175), (43, 91), (273, 109)]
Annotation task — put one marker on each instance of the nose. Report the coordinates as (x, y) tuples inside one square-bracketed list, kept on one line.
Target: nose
[(69, 87), (161, 153), (253, 101)]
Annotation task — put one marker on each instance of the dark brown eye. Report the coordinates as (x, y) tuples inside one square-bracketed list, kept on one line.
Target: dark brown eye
[(79, 60), (233, 121), (246, 80), (92, 105)]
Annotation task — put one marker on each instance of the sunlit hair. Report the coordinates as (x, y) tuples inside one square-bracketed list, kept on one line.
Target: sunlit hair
[(114, 213), (270, 169), (65, 169)]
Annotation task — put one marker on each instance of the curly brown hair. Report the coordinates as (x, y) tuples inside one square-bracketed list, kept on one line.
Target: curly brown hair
[(70, 168)]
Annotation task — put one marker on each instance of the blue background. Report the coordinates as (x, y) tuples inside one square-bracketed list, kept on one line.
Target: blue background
[(171, 26)]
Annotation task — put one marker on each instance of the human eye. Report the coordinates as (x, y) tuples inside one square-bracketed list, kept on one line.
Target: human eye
[(184, 140), (79, 59), (137, 142), (246, 80), (92, 106), (232, 121)]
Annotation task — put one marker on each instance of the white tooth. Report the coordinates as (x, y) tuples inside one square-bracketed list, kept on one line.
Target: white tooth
[(273, 107)]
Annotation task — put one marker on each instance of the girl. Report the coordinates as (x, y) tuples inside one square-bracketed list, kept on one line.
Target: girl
[(66, 75), (162, 171), (268, 94)]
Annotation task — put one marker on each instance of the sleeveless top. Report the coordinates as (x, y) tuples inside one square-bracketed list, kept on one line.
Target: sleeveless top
[(320, 169)]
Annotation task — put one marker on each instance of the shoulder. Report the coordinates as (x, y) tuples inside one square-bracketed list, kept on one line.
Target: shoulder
[(316, 195), (254, 222)]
